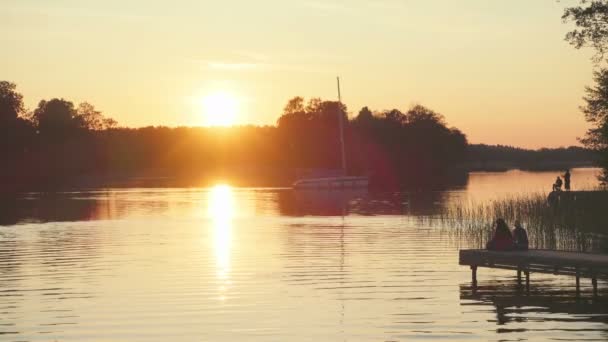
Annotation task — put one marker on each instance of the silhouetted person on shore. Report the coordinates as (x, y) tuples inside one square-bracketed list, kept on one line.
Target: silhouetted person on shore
[(567, 180), (520, 237), (502, 239), (557, 186)]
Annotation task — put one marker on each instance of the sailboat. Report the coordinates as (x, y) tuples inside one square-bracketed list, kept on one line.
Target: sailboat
[(337, 182)]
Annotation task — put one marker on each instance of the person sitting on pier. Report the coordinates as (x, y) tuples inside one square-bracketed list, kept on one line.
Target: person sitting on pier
[(502, 239), (557, 186), (520, 237)]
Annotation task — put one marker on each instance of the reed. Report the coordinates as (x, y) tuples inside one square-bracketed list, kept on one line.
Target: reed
[(579, 222)]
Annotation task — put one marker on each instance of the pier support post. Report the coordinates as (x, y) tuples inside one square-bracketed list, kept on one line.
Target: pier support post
[(527, 273), (594, 282), (578, 284), (474, 276), (519, 276)]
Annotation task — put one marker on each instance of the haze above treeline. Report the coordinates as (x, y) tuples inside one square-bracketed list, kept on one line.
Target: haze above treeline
[(61, 144)]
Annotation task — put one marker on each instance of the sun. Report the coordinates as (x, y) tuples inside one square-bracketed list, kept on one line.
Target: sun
[(220, 109)]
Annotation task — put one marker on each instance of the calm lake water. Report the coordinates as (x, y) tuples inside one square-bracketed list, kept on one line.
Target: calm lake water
[(230, 264)]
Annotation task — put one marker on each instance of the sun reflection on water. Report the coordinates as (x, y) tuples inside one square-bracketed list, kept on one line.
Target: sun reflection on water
[(221, 211)]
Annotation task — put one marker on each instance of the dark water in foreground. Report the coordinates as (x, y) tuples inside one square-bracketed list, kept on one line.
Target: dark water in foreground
[(268, 264)]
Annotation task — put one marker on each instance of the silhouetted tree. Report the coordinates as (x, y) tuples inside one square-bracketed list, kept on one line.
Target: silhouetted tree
[(591, 20), (56, 118), (92, 119), (59, 118), (15, 132), (11, 102), (311, 133), (596, 112), (365, 115), (16, 136), (294, 106), (422, 115)]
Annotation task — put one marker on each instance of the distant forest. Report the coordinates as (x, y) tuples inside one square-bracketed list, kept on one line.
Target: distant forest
[(481, 157), (59, 144)]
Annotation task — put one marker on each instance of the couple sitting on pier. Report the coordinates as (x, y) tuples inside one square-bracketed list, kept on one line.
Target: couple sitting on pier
[(504, 240)]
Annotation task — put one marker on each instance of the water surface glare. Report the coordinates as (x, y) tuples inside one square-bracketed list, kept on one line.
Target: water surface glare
[(225, 264)]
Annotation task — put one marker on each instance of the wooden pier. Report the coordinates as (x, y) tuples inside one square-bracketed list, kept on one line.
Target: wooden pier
[(580, 265)]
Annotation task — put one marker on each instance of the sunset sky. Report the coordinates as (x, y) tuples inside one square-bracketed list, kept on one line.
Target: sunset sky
[(498, 70)]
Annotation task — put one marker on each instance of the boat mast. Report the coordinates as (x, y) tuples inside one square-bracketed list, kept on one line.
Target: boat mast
[(341, 119)]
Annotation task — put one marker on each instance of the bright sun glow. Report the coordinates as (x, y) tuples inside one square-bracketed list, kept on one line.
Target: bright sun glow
[(220, 109)]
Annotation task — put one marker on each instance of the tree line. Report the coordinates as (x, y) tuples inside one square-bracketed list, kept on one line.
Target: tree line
[(482, 157), (59, 144)]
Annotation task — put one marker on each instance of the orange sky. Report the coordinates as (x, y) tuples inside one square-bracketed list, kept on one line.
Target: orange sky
[(498, 70)]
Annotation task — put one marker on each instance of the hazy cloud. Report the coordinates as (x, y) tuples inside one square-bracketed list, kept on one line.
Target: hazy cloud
[(231, 66), (351, 6)]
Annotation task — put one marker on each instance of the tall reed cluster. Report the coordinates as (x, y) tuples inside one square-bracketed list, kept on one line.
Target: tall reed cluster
[(577, 221)]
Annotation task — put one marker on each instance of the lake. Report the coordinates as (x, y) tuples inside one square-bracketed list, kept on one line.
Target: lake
[(234, 264)]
